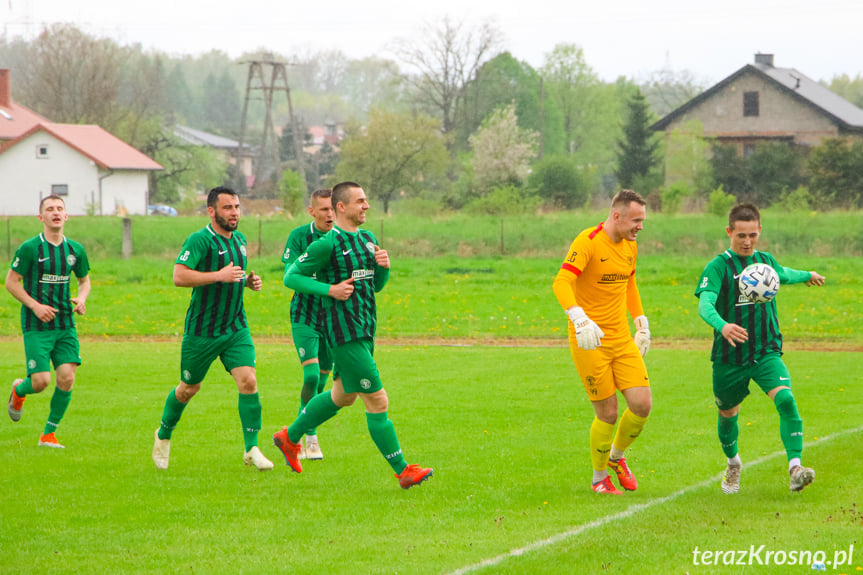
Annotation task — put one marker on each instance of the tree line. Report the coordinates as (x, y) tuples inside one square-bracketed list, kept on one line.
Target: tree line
[(449, 120)]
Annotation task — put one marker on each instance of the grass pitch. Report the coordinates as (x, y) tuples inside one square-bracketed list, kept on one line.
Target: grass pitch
[(504, 428)]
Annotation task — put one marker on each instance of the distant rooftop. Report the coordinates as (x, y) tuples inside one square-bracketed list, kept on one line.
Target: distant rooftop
[(105, 149), (790, 81), (202, 138)]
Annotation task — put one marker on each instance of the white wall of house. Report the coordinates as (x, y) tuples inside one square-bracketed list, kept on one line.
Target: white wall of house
[(37, 165), (127, 189), (33, 169)]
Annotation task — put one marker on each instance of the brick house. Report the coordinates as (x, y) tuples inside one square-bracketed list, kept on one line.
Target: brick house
[(760, 102)]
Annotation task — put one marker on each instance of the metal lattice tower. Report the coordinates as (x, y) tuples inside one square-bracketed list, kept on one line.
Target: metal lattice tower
[(264, 89)]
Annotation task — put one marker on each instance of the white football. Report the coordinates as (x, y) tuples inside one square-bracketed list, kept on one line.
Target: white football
[(758, 283)]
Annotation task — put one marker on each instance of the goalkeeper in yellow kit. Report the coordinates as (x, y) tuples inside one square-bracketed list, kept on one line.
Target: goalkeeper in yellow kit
[(596, 286)]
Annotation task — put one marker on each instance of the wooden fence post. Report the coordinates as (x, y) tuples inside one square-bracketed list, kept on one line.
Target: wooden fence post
[(127, 238)]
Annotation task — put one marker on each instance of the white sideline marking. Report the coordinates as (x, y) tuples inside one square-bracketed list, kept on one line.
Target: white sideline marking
[(629, 512)]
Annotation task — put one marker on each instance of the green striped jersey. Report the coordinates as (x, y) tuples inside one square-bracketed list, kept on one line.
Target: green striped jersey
[(306, 309), (215, 309), (761, 321), (46, 270), (337, 256)]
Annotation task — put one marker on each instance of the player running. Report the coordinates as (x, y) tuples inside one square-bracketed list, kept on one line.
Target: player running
[(346, 268), (596, 286), (307, 315), (747, 344), (213, 263), (39, 279)]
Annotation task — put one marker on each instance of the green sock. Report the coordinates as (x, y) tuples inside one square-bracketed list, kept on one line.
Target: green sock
[(322, 381), (384, 435), (25, 387), (59, 402), (317, 411), (790, 424), (171, 415), (728, 432), (322, 384), (250, 416), (311, 376)]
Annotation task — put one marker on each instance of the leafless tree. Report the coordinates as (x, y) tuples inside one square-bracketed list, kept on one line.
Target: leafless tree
[(445, 58), (74, 78)]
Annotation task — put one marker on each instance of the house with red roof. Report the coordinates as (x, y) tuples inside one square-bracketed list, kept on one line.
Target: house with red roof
[(94, 171)]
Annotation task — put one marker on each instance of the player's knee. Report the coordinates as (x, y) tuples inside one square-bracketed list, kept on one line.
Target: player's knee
[(40, 381), (606, 416), (343, 399), (185, 392), (377, 402), (786, 404), (65, 381), (642, 408), (310, 379)]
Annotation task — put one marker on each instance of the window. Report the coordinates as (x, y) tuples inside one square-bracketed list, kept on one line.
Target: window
[(748, 150), (41, 151), (750, 103), (60, 189)]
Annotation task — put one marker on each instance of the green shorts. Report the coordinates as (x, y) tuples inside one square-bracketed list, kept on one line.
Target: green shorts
[(731, 382), (198, 352), (311, 344), (54, 345), (356, 367)]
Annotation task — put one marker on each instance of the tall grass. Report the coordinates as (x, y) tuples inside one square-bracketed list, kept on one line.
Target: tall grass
[(476, 298), (546, 235)]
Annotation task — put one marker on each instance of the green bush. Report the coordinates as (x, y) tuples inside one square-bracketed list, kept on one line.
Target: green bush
[(293, 190), (799, 200), (507, 200), (720, 203), (672, 196), (418, 206), (558, 181)]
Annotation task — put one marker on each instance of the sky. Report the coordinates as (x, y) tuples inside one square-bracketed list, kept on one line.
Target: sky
[(630, 38)]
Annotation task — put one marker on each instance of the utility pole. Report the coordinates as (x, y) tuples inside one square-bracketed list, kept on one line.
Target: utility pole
[(259, 87)]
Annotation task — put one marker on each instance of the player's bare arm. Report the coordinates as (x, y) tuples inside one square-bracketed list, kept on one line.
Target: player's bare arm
[(80, 301), (185, 276), (15, 286), (342, 291), (254, 281), (382, 257), (734, 334), (816, 280)]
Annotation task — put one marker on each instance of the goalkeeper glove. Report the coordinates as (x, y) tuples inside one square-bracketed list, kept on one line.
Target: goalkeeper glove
[(642, 335), (587, 333)]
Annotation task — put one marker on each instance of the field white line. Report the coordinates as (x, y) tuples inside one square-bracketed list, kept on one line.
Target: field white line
[(577, 530)]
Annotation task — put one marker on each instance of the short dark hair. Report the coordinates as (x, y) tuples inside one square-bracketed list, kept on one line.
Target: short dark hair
[(743, 213), (322, 194), (625, 197), (213, 196), (50, 197), (340, 191)]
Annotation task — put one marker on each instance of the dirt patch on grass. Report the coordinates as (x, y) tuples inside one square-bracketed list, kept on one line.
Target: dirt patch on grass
[(687, 344)]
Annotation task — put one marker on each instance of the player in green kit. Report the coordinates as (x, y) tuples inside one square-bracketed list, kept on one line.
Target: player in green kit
[(346, 268), (213, 262), (39, 279), (747, 344), (307, 315)]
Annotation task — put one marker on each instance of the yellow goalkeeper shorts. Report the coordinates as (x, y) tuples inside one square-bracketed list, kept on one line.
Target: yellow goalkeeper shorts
[(609, 368)]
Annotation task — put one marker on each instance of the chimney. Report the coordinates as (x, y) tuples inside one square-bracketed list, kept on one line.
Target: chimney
[(766, 59), (5, 91)]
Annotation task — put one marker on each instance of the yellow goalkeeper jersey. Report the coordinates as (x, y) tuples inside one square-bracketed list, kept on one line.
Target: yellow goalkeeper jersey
[(599, 276)]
